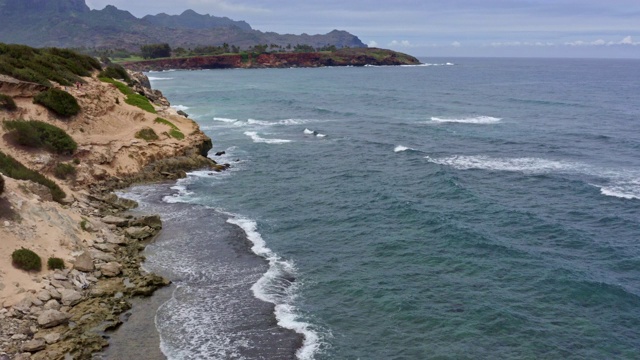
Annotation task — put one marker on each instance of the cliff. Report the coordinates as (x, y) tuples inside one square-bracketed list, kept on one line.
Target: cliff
[(343, 57), (57, 314)]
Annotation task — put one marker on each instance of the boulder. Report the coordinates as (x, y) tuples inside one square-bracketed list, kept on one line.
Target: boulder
[(52, 338), (84, 262), (138, 232), (115, 220), (51, 318), (70, 297), (43, 295), (99, 255), (111, 269), (52, 305), (34, 345), (152, 221)]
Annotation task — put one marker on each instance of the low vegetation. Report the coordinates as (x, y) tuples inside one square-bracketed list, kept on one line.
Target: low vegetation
[(55, 263), (63, 170), (38, 134), (7, 103), (14, 169), (174, 132), (1, 184), (58, 101), (84, 224), (43, 66), (26, 259), (115, 72), (133, 98), (147, 134)]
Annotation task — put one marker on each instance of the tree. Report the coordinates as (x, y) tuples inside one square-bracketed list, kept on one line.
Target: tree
[(154, 51)]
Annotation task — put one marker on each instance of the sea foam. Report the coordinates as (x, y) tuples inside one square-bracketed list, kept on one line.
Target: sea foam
[(401, 148), (257, 139), (274, 287), (468, 120), (180, 107)]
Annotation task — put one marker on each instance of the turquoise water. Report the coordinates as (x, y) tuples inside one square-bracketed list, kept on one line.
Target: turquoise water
[(488, 208)]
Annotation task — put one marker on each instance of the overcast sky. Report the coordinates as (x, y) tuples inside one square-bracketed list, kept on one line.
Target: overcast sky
[(577, 28)]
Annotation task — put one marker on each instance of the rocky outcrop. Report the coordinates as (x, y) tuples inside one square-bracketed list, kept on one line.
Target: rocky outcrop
[(343, 57), (17, 88)]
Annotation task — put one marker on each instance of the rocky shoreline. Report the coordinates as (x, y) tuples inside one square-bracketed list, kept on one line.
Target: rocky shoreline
[(68, 313)]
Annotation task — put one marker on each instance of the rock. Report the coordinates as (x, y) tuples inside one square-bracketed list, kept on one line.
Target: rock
[(220, 153), (51, 318), (52, 305), (108, 248), (152, 221), (111, 269), (84, 262), (23, 356), (138, 233), (60, 277), (19, 337), (117, 240), (99, 255), (34, 345), (54, 293), (114, 220), (43, 295), (70, 297), (52, 338)]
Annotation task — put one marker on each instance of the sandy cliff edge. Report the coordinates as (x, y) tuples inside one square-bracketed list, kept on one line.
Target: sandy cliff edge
[(90, 224)]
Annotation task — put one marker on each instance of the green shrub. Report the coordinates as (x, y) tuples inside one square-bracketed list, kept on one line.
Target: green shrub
[(55, 263), (39, 134), (63, 170), (115, 72), (147, 134), (58, 101), (26, 259), (45, 65), (83, 224), (174, 132), (14, 169), (1, 184), (141, 102), (133, 98), (7, 103)]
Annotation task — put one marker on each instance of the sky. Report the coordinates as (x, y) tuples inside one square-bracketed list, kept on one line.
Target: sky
[(438, 28)]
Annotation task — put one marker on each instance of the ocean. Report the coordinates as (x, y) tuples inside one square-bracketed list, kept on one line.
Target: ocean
[(463, 209)]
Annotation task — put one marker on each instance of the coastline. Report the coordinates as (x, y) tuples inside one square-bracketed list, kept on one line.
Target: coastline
[(53, 314)]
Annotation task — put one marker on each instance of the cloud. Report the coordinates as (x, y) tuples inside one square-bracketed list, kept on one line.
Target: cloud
[(403, 43), (372, 44), (456, 44), (521, 43), (625, 41)]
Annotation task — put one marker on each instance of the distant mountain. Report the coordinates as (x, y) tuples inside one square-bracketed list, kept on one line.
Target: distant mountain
[(192, 20), (70, 23)]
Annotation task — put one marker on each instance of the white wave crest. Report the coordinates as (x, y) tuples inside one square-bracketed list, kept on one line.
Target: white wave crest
[(321, 135), (180, 107), (153, 78), (225, 119), (308, 132), (620, 183), (270, 288), (468, 120), (401, 148), (257, 139), (285, 122)]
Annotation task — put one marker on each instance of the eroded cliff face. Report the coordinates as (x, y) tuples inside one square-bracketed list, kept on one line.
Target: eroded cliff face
[(55, 314), (344, 57)]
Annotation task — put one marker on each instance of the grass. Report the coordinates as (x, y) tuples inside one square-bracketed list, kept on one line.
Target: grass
[(62, 171), (38, 134), (55, 263), (26, 259), (43, 66), (7, 103), (147, 134), (58, 101), (14, 169), (133, 98), (174, 132)]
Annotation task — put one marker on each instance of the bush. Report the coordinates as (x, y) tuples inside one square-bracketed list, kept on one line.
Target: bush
[(62, 170), (39, 134), (58, 101), (1, 184), (115, 72), (7, 103), (141, 102), (26, 259), (14, 169), (55, 263), (174, 132), (147, 134)]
